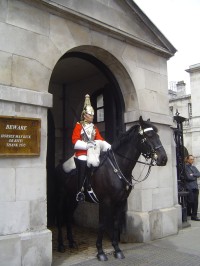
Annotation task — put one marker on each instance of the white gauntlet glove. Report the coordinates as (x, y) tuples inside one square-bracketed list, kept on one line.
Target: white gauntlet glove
[(90, 144)]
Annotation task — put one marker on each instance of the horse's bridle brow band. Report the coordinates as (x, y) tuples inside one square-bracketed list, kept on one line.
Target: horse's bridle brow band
[(147, 129)]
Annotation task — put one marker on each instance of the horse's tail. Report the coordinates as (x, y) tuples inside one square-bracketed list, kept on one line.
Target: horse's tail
[(61, 179), (61, 176)]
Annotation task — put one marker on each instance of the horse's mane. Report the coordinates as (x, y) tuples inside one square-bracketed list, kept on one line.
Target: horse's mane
[(125, 136)]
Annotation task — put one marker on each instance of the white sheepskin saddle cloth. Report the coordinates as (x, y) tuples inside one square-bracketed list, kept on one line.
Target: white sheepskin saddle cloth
[(69, 165), (92, 156)]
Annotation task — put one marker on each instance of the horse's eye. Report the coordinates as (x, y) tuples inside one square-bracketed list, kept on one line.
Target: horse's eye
[(149, 134)]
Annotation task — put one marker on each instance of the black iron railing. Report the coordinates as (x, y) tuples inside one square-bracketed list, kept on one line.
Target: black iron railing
[(180, 165)]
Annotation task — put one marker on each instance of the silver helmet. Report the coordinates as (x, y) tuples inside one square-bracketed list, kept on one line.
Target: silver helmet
[(87, 109)]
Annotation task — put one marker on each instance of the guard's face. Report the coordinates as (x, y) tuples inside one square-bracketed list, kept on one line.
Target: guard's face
[(88, 118)]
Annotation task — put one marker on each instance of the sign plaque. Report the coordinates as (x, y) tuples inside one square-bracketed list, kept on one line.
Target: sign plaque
[(19, 136)]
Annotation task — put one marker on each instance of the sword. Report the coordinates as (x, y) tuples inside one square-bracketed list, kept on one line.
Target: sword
[(76, 116)]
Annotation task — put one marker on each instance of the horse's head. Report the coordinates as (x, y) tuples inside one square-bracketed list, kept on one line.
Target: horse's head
[(150, 144)]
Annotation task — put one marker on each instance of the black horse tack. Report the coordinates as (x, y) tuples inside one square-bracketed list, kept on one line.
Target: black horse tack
[(111, 182)]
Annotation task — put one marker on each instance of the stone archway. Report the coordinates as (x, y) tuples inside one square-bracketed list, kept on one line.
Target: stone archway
[(76, 74)]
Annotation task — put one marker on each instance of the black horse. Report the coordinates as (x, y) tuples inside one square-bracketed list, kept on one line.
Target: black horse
[(111, 182)]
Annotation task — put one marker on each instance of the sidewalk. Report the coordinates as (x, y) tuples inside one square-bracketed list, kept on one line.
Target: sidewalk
[(181, 249)]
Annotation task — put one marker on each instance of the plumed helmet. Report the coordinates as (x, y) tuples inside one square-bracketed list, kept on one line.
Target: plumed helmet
[(87, 109)]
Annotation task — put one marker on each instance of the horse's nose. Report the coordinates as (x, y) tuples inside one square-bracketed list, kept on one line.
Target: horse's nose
[(164, 160)]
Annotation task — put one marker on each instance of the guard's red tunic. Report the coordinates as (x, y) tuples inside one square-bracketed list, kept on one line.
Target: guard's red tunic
[(78, 135)]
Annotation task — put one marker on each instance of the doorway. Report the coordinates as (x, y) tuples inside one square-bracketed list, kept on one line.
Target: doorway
[(75, 75)]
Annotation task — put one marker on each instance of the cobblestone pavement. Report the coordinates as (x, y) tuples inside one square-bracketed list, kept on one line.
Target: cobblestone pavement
[(86, 241), (163, 252), (148, 255)]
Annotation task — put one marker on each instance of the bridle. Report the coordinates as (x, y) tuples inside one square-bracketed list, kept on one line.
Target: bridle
[(150, 154)]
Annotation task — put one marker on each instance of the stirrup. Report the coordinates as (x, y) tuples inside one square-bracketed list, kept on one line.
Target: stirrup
[(80, 196), (92, 195)]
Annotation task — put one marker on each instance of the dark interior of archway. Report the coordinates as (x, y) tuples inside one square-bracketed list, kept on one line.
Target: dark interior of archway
[(113, 100), (113, 111)]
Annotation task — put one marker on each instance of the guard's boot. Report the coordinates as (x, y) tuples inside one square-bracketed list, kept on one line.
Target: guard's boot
[(81, 170)]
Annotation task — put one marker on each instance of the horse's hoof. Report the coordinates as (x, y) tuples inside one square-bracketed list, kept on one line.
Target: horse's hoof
[(102, 257), (61, 249), (119, 255)]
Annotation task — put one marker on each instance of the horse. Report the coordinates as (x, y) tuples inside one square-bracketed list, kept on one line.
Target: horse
[(111, 182)]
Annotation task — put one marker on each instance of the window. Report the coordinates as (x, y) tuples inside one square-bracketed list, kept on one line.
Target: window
[(100, 108)]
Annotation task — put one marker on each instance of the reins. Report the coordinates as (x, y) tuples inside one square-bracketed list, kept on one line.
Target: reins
[(132, 160), (110, 155), (118, 171), (147, 155)]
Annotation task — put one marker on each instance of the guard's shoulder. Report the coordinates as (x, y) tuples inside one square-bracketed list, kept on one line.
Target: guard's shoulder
[(78, 124)]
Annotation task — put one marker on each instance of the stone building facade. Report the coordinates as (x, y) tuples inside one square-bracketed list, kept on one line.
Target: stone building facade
[(51, 54), (187, 106)]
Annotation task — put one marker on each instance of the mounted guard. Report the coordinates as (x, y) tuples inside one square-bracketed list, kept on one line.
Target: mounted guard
[(111, 181), (88, 143)]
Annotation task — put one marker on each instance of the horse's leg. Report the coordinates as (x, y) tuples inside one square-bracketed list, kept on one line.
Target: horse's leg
[(116, 231), (102, 222), (61, 247), (70, 210)]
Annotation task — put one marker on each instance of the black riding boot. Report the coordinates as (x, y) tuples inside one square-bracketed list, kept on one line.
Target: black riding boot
[(81, 169)]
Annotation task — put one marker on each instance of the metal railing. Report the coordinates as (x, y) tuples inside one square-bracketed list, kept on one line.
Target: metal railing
[(180, 165)]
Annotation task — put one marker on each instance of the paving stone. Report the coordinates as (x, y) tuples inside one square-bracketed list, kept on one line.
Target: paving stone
[(153, 253)]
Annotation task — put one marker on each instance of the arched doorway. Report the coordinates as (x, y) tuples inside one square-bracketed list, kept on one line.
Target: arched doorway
[(75, 75)]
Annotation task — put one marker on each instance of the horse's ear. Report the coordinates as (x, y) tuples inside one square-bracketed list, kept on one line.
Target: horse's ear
[(148, 120), (141, 121)]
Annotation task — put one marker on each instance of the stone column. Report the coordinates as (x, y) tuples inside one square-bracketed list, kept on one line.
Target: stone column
[(24, 237), (194, 71)]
